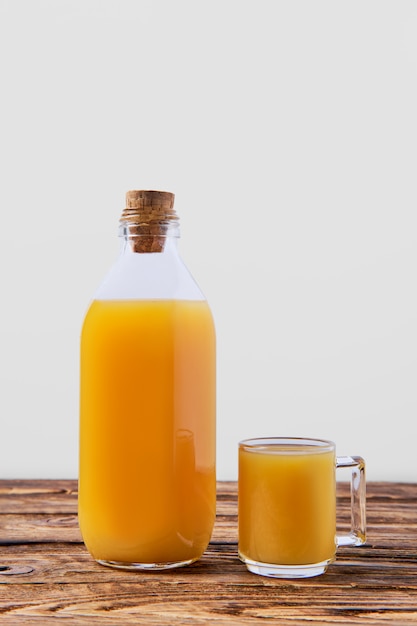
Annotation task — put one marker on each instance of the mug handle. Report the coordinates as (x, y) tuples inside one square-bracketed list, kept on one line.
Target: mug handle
[(357, 534)]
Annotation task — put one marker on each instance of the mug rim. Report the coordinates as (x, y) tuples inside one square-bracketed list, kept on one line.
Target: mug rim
[(288, 445)]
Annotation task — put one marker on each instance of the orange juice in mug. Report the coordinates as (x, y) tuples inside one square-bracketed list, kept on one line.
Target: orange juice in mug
[(287, 505)]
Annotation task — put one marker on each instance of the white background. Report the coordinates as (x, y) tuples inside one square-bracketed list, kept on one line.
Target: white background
[(288, 132)]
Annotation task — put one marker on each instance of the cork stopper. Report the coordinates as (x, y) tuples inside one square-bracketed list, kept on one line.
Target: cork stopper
[(147, 217)]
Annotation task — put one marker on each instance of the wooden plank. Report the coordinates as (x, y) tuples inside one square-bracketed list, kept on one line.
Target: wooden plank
[(56, 562), (22, 521), (33, 528), (38, 496), (147, 600), (60, 496)]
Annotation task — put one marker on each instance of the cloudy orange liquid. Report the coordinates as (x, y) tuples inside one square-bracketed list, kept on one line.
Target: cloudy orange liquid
[(287, 505), (147, 430)]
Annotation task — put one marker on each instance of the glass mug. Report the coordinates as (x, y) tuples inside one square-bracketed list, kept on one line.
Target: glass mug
[(287, 505)]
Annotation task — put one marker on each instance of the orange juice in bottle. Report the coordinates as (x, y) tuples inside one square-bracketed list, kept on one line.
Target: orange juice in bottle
[(147, 484)]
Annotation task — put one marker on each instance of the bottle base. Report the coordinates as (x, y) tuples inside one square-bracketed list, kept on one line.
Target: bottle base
[(141, 567)]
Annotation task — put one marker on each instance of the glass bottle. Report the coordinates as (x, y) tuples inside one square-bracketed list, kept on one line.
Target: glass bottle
[(147, 484)]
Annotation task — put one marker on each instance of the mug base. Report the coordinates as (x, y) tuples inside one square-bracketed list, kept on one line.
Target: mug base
[(273, 570), (141, 567)]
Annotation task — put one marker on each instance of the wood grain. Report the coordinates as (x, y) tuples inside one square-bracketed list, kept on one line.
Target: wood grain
[(47, 574)]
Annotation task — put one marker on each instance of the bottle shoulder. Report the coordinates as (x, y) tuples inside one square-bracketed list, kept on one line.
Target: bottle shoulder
[(149, 276)]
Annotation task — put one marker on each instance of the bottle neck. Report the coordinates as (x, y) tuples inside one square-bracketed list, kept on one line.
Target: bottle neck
[(149, 238), (149, 272)]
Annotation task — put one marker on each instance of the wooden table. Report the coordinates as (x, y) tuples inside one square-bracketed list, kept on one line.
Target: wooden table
[(46, 573)]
